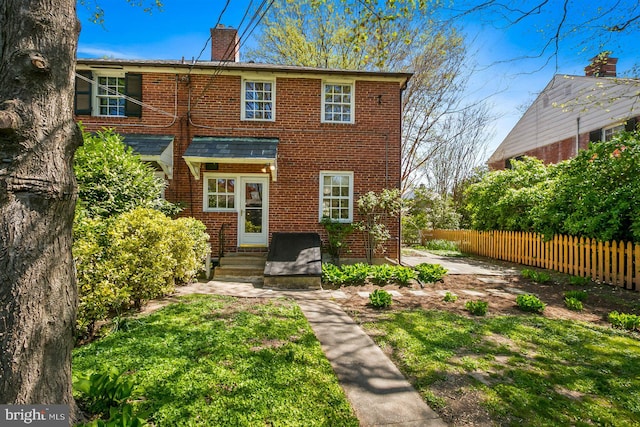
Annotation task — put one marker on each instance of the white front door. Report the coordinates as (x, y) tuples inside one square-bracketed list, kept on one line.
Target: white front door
[(254, 211)]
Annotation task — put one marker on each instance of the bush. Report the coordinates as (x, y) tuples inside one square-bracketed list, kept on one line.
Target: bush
[(113, 180), (332, 274), (573, 303), (427, 210), (355, 274), (579, 295), (530, 303), (430, 273), (337, 233), (189, 248), (449, 297), (624, 320), (441, 245), (380, 298), (477, 308), (403, 275), (382, 275)]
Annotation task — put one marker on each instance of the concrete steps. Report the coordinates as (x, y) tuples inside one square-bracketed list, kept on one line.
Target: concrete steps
[(241, 267)]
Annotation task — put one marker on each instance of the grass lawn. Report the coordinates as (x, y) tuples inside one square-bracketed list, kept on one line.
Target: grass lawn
[(213, 361), (525, 370)]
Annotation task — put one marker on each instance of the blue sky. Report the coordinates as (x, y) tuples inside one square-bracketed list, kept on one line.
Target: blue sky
[(503, 76)]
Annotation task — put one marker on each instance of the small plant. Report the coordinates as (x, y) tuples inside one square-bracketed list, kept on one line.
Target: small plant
[(624, 320), (536, 276), (382, 275), (106, 395), (337, 234), (403, 275), (579, 281), (449, 297), (380, 298), (477, 308), (430, 273), (332, 274), (355, 274), (530, 303), (579, 295), (573, 303)]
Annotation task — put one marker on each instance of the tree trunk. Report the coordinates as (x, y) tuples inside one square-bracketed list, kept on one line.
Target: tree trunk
[(38, 137)]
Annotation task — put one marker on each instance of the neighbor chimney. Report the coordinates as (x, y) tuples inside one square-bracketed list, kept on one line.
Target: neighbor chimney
[(224, 44), (602, 65)]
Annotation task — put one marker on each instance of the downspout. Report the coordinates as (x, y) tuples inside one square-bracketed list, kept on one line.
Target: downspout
[(577, 134)]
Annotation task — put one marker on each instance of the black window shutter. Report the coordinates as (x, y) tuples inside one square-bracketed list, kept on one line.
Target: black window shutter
[(631, 124), (595, 135), (133, 89), (83, 94)]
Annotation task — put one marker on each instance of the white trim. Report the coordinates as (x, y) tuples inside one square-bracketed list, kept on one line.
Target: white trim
[(205, 191), (243, 111), (338, 82), (321, 195), (95, 98)]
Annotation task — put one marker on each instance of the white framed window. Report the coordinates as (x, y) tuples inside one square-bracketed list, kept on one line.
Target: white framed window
[(219, 193), (258, 100), (336, 196), (109, 95), (338, 102), (609, 132)]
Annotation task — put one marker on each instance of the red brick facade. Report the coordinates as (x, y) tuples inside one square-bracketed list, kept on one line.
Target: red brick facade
[(207, 102)]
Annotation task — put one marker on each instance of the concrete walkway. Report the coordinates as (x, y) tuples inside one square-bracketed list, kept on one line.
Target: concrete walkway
[(378, 392), (459, 265)]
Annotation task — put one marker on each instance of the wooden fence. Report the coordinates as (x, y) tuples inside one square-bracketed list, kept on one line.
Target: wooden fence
[(610, 262)]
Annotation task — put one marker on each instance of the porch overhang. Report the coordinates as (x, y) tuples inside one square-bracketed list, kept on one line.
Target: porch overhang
[(232, 149), (153, 148)]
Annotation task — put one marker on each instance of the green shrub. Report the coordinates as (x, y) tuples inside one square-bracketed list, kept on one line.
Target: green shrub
[(380, 298), (112, 179), (530, 303), (624, 320), (189, 248), (355, 274), (332, 274), (477, 308), (573, 304), (403, 275), (382, 275), (579, 295), (337, 234), (449, 297), (579, 281), (141, 254), (430, 273), (536, 276)]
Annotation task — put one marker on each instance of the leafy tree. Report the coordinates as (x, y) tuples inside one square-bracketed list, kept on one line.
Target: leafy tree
[(38, 138), (402, 35), (597, 194), (112, 179), (511, 199), (427, 210)]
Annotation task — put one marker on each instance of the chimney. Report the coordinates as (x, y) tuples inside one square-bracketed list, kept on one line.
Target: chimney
[(224, 44), (602, 65)]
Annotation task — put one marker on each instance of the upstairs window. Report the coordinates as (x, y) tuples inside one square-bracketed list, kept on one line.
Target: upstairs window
[(337, 102), (336, 196), (108, 94), (258, 100)]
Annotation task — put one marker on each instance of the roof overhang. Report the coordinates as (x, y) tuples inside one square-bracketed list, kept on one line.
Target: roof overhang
[(153, 148), (235, 150)]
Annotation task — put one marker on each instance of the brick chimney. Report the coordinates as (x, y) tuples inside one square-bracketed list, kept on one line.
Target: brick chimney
[(602, 65), (224, 44)]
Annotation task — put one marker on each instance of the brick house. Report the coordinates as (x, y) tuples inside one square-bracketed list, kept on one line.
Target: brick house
[(257, 148), (570, 112)]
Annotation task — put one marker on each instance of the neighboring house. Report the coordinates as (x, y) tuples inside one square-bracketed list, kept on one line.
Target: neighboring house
[(258, 148), (571, 112)]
